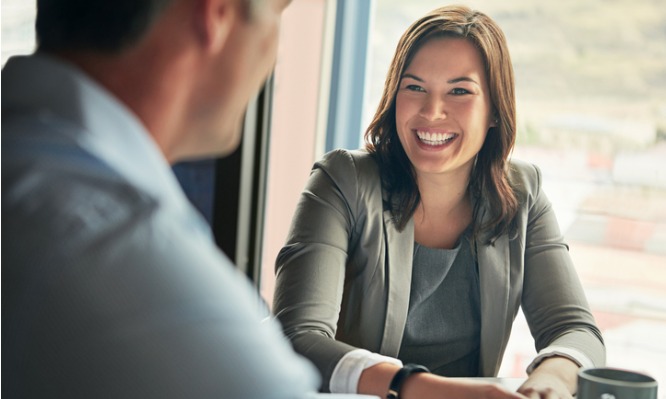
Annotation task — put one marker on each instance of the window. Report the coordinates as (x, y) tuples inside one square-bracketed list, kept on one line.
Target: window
[(592, 115), (18, 27), (298, 121)]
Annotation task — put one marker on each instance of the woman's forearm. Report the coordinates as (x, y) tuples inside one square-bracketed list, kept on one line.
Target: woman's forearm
[(376, 380)]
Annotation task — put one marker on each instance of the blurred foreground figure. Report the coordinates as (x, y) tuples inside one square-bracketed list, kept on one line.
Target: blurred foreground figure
[(112, 284)]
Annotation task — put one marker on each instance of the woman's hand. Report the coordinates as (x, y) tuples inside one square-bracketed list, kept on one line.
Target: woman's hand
[(554, 378)]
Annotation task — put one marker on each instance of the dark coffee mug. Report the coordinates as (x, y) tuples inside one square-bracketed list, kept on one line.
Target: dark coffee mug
[(610, 383)]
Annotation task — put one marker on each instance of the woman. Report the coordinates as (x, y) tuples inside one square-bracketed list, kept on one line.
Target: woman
[(422, 248)]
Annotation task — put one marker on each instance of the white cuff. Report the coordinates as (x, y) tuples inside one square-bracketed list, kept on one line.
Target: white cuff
[(348, 370), (574, 355)]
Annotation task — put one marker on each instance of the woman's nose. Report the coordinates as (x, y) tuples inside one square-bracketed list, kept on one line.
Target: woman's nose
[(434, 108)]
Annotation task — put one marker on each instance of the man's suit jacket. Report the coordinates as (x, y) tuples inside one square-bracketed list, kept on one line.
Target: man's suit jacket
[(343, 277)]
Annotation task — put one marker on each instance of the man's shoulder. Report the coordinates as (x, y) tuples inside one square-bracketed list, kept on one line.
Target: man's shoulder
[(59, 172), (64, 193)]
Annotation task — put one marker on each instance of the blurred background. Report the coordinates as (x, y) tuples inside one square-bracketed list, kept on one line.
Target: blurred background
[(591, 91)]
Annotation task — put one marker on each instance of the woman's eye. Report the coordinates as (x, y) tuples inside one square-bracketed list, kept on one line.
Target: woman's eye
[(414, 88), (459, 91)]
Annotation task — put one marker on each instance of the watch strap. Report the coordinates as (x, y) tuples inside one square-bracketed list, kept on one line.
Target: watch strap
[(400, 378)]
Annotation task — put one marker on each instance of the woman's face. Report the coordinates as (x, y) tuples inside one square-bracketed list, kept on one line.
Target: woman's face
[(443, 108)]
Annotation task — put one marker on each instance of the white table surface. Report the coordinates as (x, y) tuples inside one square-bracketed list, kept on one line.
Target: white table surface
[(511, 384), (341, 396)]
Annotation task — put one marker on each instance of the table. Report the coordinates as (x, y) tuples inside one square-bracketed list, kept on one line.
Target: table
[(511, 384)]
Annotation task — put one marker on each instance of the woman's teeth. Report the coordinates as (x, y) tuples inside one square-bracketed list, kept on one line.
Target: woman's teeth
[(435, 138)]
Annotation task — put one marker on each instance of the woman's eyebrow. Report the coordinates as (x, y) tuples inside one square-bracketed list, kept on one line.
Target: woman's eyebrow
[(409, 75), (450, 81), (463, 79)]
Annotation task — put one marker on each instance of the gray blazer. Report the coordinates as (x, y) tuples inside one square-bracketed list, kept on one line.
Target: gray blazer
[(344, 275)]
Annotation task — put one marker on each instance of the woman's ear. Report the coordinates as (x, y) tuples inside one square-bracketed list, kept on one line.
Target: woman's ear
[(494, 120), (214, 21)]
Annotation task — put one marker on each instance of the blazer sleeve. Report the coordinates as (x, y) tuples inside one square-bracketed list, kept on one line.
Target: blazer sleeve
[(553, 299), (310, 268)]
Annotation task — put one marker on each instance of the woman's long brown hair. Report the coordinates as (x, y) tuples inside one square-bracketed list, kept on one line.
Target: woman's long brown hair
[(489, 176)]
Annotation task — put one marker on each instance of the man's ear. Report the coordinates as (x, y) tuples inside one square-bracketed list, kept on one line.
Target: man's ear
[(214, 21)]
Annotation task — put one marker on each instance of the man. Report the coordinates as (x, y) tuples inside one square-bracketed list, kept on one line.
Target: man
[(112, 285)]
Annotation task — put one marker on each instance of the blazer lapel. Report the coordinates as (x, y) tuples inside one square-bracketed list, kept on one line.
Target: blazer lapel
[(399, 254), (494, 285)]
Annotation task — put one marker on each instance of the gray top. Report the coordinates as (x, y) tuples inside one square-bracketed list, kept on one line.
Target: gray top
[(444, 317)]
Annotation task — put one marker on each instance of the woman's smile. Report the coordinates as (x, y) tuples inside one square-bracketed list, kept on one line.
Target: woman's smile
[(434, 139)]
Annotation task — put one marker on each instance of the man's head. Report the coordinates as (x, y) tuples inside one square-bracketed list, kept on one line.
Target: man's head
[(97, 25), (247, 58), (187, 68)]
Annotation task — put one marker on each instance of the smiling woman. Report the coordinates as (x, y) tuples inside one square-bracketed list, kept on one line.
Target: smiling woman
[(431, 233)]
